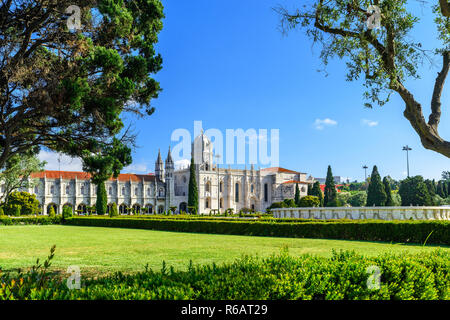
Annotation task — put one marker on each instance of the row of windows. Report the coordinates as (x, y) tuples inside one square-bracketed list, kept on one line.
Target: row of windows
[(110, 190)]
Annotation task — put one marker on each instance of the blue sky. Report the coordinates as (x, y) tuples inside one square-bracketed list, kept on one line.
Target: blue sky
[(227, 64)]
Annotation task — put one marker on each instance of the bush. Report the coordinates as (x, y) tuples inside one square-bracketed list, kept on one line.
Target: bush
[(113, 212), (343, 276), (13, 209), (67, 212), (342, 198), (51, 212), (289, 203), (366, 230), (358, 199), (309, 201), (27, 202), (42, 220)]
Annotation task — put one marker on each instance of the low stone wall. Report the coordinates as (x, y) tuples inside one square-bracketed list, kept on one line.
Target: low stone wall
[(379, 213)]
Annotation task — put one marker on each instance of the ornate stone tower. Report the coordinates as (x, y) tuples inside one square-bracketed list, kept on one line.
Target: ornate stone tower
[(202, 151), (159, 167), (169, 180)]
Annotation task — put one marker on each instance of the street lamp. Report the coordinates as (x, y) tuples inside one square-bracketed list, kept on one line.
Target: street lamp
[(365, 172), (407, 149)]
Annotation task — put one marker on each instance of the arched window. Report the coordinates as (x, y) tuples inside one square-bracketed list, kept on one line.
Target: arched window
[(148, 191), (161, 209), (266, 192), (67, 189), (136, 209), (221, 186), (82, 208), (252, 188), (136, 191), (208, 186), (161, 192), (149, 208), (123, 209), (110, 191), (82, 190), (36, 189), (207, 203), (221, 203), (52, 189), (123, 191), (236, 192)]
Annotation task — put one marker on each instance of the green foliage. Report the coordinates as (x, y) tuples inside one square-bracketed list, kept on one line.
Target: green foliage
[(102, 199), (316, 191), (330, 199), (343, 198), (27, 202), (414, 191), (113, 212), (297, 195), (2, 213), (358, 199), (51, 212), (365, 230), (193, 190), (80, 97), (309, 201), (387, 188), (27, 220), (376, 195), (289, 203), (343, 276), (67, 212)]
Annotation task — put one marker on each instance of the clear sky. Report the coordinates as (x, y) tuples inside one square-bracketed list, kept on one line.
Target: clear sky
[(227, 64)]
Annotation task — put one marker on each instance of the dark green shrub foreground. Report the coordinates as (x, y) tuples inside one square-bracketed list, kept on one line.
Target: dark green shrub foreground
[(343, 276), (4, 220), (435, 232)]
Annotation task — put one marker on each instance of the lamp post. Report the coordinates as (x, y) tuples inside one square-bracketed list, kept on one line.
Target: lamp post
[(365, 172), (218, 156), (407, 149)]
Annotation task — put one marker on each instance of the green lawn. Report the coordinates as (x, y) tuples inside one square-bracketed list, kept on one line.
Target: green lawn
[(96, 249)]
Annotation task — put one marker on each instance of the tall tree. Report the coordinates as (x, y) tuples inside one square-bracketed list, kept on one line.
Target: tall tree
[(16, 174), (330, 199), (69, 73), (193, 188), (387, 189), (376, 195), (297, 195), (317, 192), (431, 187), (414, 191), (102, 199), (440, 189), (380, 48)]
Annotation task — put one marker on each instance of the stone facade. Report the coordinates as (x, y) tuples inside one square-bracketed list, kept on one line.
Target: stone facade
[(219, 188)]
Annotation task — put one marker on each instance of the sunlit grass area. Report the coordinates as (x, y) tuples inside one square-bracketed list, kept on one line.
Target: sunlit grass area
[(102, 250)]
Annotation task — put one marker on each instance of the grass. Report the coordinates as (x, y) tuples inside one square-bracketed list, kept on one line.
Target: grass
[(103, 250)]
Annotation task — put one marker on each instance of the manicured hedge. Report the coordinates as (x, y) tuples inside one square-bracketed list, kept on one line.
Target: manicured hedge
[(370, 230), (5, 220), (344, 276)]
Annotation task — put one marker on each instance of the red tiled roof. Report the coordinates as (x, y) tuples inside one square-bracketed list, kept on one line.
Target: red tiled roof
[(294, 181), (278, 169), (322, 187), (68, 175)]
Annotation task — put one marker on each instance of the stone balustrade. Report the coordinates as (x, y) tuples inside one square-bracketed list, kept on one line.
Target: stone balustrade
[(378, 213)]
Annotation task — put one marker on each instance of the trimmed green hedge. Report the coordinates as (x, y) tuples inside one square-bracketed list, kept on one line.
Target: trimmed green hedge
[(5, 220), (438, 232), (344, 276)]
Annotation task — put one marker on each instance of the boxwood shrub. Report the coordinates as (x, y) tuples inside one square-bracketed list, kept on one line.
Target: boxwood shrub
[(5, 220), (433, 232)]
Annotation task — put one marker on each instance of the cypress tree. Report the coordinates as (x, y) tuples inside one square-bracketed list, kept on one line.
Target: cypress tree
[(330, 199), (387, 188), (317, 192), (297, 195), (309, 192), (376, 195), (193, 189), (431, 187), (440, 189), (102, 199), (51, 212), (113, 212)]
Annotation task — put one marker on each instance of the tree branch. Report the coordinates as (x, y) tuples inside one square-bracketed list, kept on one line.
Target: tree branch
[(435, 115)]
